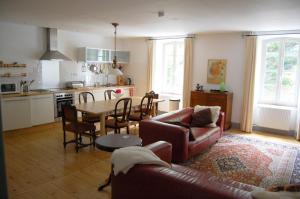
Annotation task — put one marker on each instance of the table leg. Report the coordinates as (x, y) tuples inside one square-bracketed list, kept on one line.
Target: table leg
[(102, 124)]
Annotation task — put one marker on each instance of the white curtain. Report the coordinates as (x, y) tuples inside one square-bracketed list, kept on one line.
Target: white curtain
[(298, 119), (187, 75), (151, 54), (249, 83)]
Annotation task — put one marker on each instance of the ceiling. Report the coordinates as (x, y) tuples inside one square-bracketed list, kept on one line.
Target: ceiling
[(139, 18)]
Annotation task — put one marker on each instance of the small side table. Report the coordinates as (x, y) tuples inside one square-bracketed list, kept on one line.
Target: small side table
[(115, 141)]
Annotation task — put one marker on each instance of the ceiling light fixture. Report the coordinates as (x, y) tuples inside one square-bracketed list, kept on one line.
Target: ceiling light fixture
[(114, 65)]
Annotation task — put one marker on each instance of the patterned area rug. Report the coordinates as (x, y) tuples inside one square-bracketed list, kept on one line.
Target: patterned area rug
[(251, 161)]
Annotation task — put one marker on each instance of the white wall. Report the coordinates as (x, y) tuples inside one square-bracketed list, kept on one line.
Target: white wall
[(26, 44), (22, 44), (230, 46), (137, 68)]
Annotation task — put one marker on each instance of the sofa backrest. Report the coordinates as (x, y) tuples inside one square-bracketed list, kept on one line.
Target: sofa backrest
[(183, 115)]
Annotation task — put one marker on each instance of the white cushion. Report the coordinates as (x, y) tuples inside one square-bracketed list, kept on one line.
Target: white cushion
[(215, 112)]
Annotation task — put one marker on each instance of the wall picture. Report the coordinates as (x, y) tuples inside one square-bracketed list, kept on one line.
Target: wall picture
[(216, 71)]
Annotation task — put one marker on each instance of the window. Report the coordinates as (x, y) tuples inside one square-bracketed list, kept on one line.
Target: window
[(280, 71), (168, 71)]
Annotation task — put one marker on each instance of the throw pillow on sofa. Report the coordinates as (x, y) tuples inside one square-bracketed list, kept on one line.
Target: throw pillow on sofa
[(183, 124), (201, 118), (215, 112)]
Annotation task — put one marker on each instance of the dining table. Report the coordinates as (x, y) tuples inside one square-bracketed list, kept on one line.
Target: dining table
[(103, 108)]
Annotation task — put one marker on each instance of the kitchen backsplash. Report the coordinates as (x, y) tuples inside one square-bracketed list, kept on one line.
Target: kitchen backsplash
[(66, 71)]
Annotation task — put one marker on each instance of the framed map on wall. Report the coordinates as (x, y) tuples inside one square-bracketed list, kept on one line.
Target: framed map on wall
[(216, 71)]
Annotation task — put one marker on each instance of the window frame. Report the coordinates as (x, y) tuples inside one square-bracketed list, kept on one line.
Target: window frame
[(175, 45), (280, 71)]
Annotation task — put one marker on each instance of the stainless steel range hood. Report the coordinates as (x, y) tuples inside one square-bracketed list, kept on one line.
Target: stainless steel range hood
[(52, 53)]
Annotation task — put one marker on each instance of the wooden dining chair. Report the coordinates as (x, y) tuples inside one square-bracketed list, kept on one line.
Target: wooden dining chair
[(145, 109), (154, 109), (108, 94), (70, 123), (118, 121), (87, 117)]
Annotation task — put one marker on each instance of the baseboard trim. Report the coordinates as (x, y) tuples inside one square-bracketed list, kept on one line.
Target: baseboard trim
[(235, 125), (275, 131)]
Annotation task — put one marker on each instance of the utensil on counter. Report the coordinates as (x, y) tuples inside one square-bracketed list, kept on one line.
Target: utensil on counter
[(24, 85)]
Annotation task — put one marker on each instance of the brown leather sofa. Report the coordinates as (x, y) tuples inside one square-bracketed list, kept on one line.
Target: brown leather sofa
[(157, 129), (153, 181)]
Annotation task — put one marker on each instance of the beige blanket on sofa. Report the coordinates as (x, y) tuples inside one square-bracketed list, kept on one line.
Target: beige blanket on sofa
[(125, 158)]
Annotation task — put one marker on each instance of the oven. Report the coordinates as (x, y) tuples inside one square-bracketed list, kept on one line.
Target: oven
[(62, 99)]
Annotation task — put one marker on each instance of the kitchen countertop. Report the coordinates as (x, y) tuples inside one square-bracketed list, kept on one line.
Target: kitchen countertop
[(30, 93), (59, 90)]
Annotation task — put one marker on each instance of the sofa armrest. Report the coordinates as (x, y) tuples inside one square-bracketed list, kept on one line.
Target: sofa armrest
[(220, 122), (153, 131), (162, 149)]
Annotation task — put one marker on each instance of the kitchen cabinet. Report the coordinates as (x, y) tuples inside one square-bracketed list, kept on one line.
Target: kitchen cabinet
[(76, 97), (99, 95), (27, 111), (42, 109), (122, 56), (222, 99), (94, 55), (102, 55), (16, 113)]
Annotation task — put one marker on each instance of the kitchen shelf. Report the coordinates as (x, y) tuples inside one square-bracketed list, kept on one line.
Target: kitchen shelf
[(13, 75), (12, 65)]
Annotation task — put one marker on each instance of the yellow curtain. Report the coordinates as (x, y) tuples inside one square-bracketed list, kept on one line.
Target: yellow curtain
[(249, 82), (187, 74), (151, 47)]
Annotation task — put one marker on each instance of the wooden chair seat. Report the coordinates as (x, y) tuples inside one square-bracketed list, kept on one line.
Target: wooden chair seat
[(144, 109), (120, 118), (136, 116), (91, 118), (70, 123), (80, 127), (111, 123)]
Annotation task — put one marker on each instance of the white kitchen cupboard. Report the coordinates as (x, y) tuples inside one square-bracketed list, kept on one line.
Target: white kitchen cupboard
[(16, 113), (99, 95), (122, 56), (42, 109), (94, 55), (87, 54)]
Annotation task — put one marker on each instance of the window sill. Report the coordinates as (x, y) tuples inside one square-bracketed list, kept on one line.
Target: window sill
[(277, 107)]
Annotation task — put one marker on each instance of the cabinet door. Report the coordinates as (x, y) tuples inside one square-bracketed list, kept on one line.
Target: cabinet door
[(99, 95), (104, 55), (122, 56), (42, 109), (16, 113), (126, 92), (198, 98), (217, 100), (92, 54)]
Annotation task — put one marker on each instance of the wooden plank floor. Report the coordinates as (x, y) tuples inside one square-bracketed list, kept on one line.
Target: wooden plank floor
[(39, 167)]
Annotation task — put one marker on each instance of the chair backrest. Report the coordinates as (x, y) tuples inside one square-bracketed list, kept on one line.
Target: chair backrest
[(123, 104), (107, 94), (69, 114), (146, 105), (85, 96), (155, 95)]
